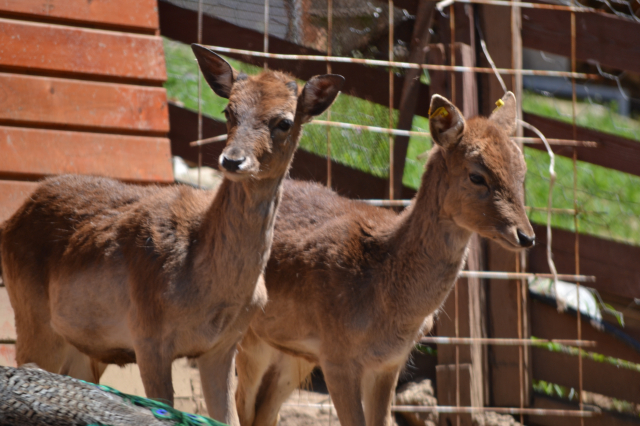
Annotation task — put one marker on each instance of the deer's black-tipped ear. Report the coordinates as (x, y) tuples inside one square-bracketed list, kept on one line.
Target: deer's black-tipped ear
[(446, 123), (218, 73), (318, 95), (505, 114)]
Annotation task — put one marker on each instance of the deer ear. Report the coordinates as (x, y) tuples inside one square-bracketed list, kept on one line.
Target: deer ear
[(218, 73), (505, 115), (318, 95), (445, 122)]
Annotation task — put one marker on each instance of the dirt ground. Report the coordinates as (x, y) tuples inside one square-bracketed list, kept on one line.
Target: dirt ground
[(303, 408)]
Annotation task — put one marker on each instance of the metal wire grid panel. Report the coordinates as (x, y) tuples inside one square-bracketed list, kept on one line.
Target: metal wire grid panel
[(375, 142)]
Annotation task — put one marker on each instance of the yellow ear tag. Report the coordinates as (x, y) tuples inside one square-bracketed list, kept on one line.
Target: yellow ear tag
[(499, 104), (442, 111)]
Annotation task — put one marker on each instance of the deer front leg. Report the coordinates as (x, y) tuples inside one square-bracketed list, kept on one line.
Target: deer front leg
[(378, 389), (344, 384), (155, 371), (218, 375)]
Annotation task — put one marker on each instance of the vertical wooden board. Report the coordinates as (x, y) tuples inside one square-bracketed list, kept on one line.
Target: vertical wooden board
[(502, 313), (446, 392), (74, 103), (12, 195), (141, 14), (37, 152), (97, 53), (7, 320), (8, 355)]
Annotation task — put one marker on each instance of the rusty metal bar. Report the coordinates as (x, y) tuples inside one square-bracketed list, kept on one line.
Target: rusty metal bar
[(470, 410), (565, 142), (391, 140), (505, 341), (575, 202), (375, 129), (525, 275), (452, 27), (410, 133), (199, 39), (527, 5), (407, 203), (265, 41), (201, 142), (500, 410), (377, 62), (329, 53)]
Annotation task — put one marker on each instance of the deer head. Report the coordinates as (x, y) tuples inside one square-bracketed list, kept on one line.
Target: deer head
[(264, 115), (485, 172)]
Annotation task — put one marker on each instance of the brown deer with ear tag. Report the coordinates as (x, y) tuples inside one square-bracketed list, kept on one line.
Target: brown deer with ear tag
[(352, 287), (99, 272)]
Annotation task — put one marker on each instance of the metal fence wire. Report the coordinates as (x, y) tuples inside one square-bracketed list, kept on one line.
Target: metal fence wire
[(560, 191)]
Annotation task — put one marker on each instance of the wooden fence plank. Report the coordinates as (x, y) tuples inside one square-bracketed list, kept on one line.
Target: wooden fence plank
[(141, 14), (12, 195), (7, 320), (547, 323), (613, 152), (598, 377), (615, 265), (606, 38), (36, 153), (94, 53), (606, 418), (45, 101)]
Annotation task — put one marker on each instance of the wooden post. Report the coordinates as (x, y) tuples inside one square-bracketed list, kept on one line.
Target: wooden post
[(409, 99), (504, 45), (471, 324)]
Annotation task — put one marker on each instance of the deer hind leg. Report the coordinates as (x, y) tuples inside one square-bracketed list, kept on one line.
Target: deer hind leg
[(252, 362), (218, 377), (81, 366), (284, 375), (344, 381), (37, 342), (155, 369), (378, 389)]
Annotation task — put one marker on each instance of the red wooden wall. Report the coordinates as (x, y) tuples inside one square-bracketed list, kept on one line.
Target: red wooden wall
[(80, 92)]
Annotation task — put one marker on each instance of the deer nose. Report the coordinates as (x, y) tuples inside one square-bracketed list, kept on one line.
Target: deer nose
[(526, 240), (231, 164)]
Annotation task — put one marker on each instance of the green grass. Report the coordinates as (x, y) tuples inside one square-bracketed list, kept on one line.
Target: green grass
[(609, 200), (601, 117)]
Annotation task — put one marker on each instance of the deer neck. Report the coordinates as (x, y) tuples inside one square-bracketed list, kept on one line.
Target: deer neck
[(237, 233), (429, 247)]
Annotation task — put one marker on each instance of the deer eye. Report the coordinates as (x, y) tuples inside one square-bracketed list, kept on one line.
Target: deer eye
[(226, 113), (285, 125), (477, 179)]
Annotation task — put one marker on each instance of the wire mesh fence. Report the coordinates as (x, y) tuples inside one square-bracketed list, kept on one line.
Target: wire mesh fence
[(602, 201)]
